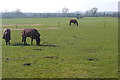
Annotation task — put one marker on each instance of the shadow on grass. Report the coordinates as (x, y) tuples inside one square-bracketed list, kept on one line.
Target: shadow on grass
[(21, 44), (50, 45)]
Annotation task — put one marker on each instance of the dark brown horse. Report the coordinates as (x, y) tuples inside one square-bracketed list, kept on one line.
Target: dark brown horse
[(33, 34), (7, 36), (73, 21)]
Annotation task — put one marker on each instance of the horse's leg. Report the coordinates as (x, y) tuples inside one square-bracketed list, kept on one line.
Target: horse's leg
[(70, 23), (77, 23), (22, 39), (9, 42), (73, 24), (6, 42), (31, 41), (25, 43)]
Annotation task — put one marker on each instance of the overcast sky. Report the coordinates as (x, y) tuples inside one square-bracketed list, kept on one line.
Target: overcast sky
[(57, 5)]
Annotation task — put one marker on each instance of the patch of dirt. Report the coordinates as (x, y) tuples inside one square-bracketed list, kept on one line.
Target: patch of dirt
[(38, 49), (91, 59), (30, 25), (51, 57), (27, 64), (35, 28), (26, 25), (22, 25), (8, 59)]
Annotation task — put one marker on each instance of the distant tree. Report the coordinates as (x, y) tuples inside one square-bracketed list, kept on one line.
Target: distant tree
[(6, 11), (17, 14), (94, 11), (17, 11), (65, 11), (87, 13)]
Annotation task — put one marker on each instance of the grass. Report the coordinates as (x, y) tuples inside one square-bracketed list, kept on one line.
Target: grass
[(46, 22), (87, 51)]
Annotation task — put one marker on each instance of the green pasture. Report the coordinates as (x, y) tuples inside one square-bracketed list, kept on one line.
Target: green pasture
[(89, 50)]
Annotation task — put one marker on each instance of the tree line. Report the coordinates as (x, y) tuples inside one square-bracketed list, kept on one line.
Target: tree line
[(65, 13)]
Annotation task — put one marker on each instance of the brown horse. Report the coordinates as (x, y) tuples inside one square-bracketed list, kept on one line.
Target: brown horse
[(33, 34), (73, 21), (7, 36)]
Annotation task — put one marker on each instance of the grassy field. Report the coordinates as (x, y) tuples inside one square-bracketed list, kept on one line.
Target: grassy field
[(87, 51)]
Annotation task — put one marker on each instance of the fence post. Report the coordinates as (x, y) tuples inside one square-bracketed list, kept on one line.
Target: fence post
[(58, 24), (16, 25)]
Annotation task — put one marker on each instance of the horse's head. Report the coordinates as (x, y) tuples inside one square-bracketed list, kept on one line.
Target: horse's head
[(38, 41)]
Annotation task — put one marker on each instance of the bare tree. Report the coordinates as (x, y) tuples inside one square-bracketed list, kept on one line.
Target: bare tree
[(94, 11), (65, 11), (17, 11)]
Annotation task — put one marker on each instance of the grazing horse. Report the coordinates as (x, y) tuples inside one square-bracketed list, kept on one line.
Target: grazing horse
[(73, 21), (7, 36), (79, 17), (33, 34)]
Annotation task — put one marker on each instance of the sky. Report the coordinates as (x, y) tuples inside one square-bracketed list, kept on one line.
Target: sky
[(57, 5)]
